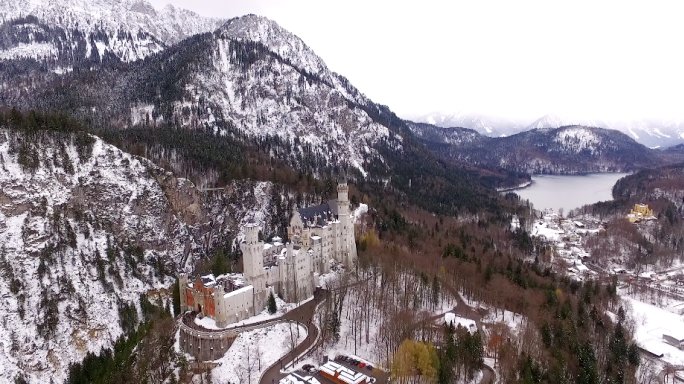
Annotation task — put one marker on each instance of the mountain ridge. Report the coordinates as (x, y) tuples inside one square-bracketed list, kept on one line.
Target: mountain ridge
[(650, 132), (566, 150)]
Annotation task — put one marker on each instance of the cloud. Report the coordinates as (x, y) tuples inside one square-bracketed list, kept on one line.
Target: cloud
[(522, 58)]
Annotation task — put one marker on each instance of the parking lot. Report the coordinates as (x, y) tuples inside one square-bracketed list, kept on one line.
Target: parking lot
[(379, 375)]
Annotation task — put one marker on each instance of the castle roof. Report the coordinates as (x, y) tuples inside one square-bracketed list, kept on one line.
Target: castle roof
[(208, 280), (342, 179), (318, 215)]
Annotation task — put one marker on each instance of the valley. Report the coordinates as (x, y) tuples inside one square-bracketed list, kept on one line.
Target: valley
[(191, 199)]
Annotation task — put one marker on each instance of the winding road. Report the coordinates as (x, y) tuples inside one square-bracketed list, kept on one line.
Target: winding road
[(303, 315)]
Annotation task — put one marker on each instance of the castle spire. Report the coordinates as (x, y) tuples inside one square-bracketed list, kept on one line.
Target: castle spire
[(342, 177)]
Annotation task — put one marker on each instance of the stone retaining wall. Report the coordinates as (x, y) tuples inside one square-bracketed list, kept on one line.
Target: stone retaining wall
[(212, 345)]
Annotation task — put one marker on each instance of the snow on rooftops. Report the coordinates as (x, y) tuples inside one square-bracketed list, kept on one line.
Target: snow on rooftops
[(277, 244), (208, 280), (653, 347), (677, 333), (343, 374), (267, 246), (294, 378), (251, 225), (276, 239), (314, 237), (238, 291)]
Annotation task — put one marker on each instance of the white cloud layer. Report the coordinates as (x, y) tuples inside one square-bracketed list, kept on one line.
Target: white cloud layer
[(515, 58)]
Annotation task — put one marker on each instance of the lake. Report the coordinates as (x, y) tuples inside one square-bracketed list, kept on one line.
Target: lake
[(569, 191)]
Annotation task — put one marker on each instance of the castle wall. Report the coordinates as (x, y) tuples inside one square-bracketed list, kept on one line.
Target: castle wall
[(205, 346), (239, 304)]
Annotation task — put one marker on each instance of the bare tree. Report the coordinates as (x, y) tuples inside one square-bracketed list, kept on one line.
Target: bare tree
[(248, 365), (292, 341), (258, 354)]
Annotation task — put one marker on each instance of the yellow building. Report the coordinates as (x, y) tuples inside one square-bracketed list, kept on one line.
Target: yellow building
[(640, 212)]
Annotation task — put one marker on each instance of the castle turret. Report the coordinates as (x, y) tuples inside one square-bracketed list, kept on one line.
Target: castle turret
[(253, 260), (182, 289), (220, 306), (347, 249), (343, 189), (252, 253)]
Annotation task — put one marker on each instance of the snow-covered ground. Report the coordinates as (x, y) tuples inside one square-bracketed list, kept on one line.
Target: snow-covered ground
[(514, 321), (359, 212), (457, 321), (542, 228), (651, 323), (253, 352)]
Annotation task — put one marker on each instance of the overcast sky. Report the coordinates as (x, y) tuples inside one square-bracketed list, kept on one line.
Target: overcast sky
[(511, 58)]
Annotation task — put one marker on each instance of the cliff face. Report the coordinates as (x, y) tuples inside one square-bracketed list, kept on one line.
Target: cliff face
[(85, 229), (72, 31)]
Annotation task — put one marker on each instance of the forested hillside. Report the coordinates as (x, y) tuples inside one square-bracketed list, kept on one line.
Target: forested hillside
[(565, 150), (656, 243)]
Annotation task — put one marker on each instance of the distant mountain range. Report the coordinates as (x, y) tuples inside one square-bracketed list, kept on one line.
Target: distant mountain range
[(488, 125), (650, 132), (565, 150)]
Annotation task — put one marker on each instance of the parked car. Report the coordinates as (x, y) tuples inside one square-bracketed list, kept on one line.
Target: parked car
[(307, 367)]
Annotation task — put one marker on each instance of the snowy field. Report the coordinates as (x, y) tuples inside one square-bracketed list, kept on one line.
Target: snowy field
[(650, 324), (513, 321)]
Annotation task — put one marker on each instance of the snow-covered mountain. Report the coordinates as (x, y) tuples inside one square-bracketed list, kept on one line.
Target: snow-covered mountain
[(488, 125), (81, 29), (84, 230), (566, 150), (250, 77), (553, 120), (650, 132)]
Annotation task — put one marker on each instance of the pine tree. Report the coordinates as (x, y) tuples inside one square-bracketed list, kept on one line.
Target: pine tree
[(272, 308)]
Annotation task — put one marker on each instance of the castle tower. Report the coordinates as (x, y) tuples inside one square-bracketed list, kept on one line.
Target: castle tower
[(182, 288), (288, 273), (348, 244), (253, 261), (343, 190), (220, 306), (252, 253)]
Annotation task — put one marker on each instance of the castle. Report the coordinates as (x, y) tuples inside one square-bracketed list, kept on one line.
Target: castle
[(318, 235), (640, 212)]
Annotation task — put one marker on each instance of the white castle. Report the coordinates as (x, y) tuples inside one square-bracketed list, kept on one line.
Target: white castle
[(318, 236)]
